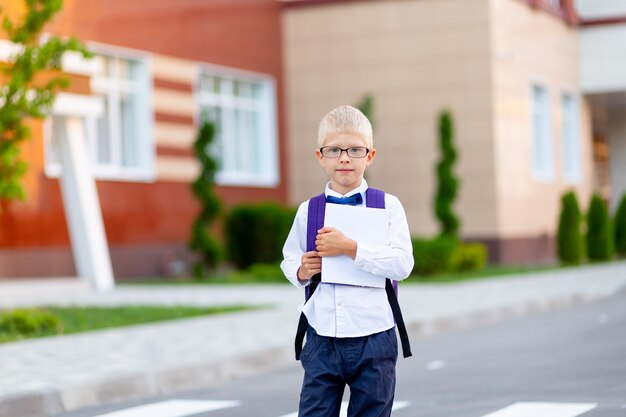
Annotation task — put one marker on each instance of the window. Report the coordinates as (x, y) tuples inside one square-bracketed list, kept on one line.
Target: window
[(119, 135), (242, 108), (542, 160), (570, 139)]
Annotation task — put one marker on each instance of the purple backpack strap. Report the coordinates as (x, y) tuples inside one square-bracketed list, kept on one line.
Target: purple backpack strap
[(315, 221), (376, 199)]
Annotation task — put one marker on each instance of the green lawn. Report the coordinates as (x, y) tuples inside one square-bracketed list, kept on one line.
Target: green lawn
[(271, 274), (487, 272), (243, 277), (83, 319)]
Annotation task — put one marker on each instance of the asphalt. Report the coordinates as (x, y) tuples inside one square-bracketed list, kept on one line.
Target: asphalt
[(54, 375)]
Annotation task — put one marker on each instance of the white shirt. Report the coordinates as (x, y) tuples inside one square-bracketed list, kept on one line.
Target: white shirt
[(350, 311)]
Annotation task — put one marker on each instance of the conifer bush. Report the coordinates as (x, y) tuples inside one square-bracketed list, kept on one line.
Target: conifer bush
[(202, 239), (570, 245), (599, 233), (447, 182), (620, 228)]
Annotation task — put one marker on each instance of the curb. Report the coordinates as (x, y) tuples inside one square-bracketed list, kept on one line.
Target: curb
[(143, 385), (140, 385)]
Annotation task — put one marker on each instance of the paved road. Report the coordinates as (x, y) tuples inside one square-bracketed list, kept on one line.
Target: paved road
[(565, 363)]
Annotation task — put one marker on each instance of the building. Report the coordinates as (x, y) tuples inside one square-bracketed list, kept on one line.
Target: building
[(160, 67), (535, 88)]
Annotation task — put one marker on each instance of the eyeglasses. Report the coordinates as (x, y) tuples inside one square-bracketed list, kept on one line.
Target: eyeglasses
[(353, 152)]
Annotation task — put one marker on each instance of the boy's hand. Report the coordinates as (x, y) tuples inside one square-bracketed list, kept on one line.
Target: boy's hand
[(331, 242), (310, 265)]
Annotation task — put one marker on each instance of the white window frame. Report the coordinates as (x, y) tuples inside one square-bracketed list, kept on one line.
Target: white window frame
[(542, 155), (145, 170), (570, 138), (267, 148)]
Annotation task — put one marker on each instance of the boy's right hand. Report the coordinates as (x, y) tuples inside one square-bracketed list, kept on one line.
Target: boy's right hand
[(310, 265)]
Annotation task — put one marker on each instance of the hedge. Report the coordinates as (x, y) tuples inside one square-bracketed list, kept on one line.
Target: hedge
[(469, 257), (433, 256), (256, 233)]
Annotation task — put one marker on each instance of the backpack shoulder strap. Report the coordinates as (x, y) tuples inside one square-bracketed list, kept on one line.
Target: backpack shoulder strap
[(376, 199), (315, 221)]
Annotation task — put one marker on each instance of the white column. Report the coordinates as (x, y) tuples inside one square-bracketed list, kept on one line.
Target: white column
[(82, 209)]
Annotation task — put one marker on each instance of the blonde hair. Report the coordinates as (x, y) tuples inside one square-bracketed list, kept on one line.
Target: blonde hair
[(345, 119)]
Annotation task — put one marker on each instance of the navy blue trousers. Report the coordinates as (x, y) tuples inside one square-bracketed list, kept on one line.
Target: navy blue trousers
[(366, 364)]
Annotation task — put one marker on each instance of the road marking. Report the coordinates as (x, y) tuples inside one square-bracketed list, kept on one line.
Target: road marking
[(172, 408), (398, 405), (434, 365), (543, 410)]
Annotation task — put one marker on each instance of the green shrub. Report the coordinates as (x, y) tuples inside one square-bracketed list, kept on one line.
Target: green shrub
[(260, 273), (620, 228), (29, 322), (433, 256), (570, 246), (257, 233), (599, 234), (469, 257), (447, 181), (202, 239)]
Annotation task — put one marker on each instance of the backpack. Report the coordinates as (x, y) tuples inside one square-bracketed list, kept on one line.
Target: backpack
[(315, 221)]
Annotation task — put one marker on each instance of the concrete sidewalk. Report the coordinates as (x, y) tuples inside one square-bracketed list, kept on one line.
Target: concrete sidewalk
[(45, 377)]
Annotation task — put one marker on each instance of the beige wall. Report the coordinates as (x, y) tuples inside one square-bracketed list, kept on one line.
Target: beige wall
[(416, 58), (175, 136), (532, 46)]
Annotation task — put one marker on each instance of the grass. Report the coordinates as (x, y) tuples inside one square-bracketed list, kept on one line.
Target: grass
[(255, 274), (487, 272), (273, 275), (242, 277), (83, 319)]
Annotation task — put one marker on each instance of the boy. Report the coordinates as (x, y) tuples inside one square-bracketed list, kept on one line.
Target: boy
[(350, 332)]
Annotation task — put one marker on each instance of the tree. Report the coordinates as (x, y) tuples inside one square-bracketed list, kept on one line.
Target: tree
[(24, 97), (203, 188), (447, 182), (366, 106), (570, 244), (599, 235), (620, 228)]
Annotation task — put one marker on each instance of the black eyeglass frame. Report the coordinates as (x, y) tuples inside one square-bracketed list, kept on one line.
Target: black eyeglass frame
[(342, 150)]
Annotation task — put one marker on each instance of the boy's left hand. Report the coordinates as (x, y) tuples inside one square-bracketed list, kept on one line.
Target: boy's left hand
[(331, 242)]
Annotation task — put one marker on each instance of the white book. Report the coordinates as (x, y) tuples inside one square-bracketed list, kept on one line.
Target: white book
[(364, 225)]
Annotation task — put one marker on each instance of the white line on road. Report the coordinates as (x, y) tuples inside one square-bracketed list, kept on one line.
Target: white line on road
[(543, 410), (434, 365), (398, 405), (172, 408)]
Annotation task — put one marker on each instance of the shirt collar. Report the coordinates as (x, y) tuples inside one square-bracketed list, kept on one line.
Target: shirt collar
[(360, 189)]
